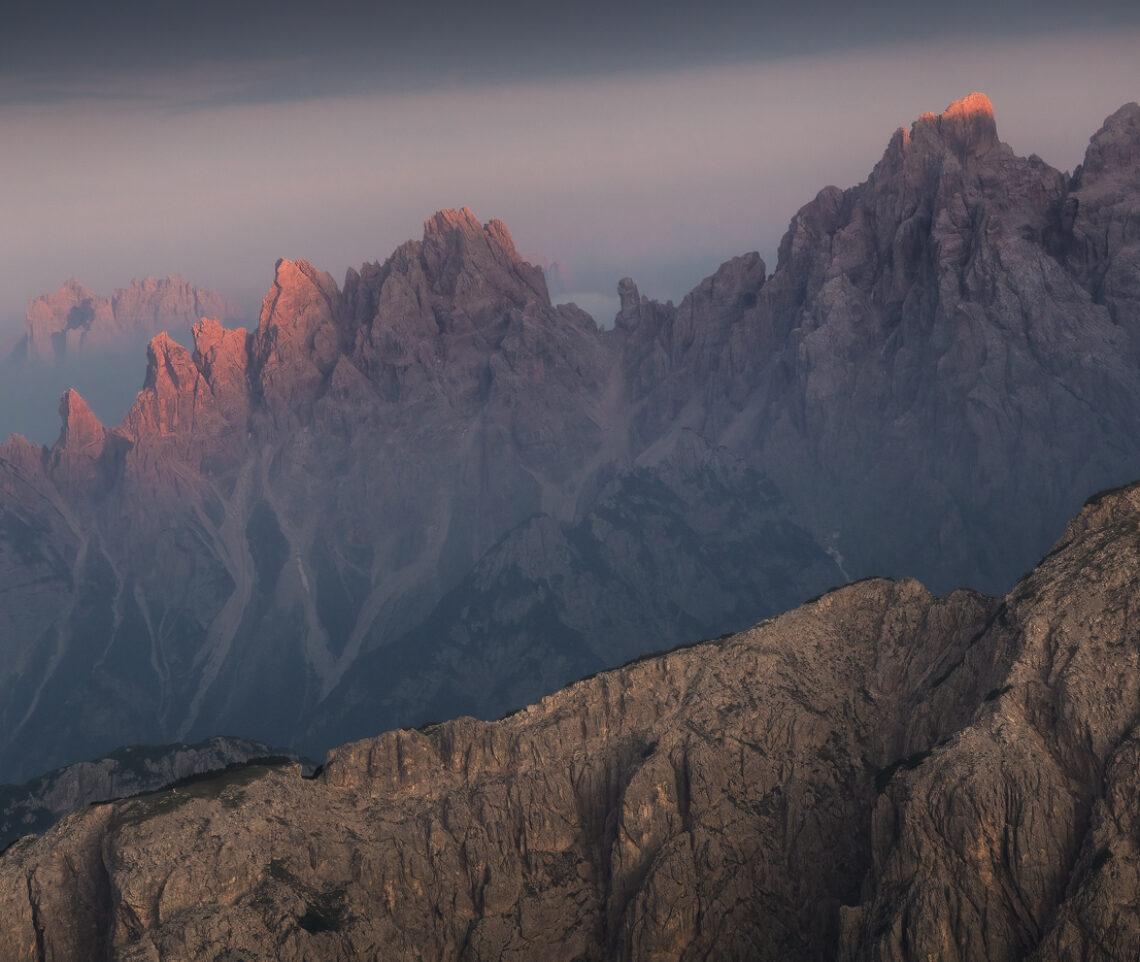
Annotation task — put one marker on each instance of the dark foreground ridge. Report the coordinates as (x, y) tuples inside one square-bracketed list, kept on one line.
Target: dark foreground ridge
[(879, 774)]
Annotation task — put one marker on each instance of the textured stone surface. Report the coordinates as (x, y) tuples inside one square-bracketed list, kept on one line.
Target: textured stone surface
[(944, 361), (879, 774)]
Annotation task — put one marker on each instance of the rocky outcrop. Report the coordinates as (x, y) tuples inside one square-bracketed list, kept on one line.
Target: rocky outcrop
[(943, 360), (1018, 830), (431, 491), (37, 805), (1097, 229), (879, 774), (72, 319)]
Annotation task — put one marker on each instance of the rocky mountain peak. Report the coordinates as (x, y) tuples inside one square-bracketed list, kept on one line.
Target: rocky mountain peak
[(630, 313), (497, 232), (451, 226), (456, 243), (80, 427), (165, 357), (967, 127), (462, 274), (444, 223), (298, 314), (54, 322), (71, 291), (73, 288), (298, 339), (75, 457), (1116, 146), (293, 279)]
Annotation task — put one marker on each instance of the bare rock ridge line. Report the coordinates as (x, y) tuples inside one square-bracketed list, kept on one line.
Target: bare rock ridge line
[(430, 491), (73, 319), (878, 774), (37, 805)]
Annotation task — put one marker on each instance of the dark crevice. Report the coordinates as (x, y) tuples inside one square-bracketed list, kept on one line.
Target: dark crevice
[(37, 925)]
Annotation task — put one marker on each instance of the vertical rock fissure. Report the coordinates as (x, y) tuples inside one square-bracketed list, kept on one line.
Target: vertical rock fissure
[(103, 899), (37, 924)]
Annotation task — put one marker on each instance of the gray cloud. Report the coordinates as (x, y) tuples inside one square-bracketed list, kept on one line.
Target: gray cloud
[(348, 47)]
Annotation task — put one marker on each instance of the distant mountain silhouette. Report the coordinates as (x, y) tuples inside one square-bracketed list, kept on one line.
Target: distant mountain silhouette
[(72, 319)]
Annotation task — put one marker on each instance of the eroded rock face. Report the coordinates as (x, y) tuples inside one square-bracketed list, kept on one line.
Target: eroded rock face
[(1098, 231), (1018, 828), (944, 360), (879, 774)]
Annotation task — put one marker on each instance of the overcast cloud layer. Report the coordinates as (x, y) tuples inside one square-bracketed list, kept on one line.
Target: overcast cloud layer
[(649, 140)]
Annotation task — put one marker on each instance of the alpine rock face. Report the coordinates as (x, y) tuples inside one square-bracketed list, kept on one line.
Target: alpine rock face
[(431, 491), (944, 361), (878, 775)]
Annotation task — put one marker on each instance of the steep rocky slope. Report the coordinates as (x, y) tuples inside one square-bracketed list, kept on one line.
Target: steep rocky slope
[(432, 491), (37, 805), (944, 359), (879, 774)]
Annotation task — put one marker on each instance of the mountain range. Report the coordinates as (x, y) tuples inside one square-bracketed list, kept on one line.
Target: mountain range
[(880, 774), (430, 491)]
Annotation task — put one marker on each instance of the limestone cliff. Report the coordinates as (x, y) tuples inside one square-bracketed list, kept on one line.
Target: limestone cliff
[(879, 774)]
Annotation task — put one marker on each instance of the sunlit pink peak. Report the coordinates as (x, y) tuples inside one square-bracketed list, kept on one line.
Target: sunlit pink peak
[(79, 425), (443, 228), (71, 289), (285, 268), (72, 284), (975, 103), (72, 403), (448, 220), (160, 343), (498, 232), (294, 277), (967, 126)]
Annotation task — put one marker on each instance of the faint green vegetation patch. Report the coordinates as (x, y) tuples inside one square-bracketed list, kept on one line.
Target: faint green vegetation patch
[(223, 784)]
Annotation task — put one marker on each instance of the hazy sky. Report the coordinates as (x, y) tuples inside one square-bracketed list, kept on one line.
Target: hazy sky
[(650, 139)]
